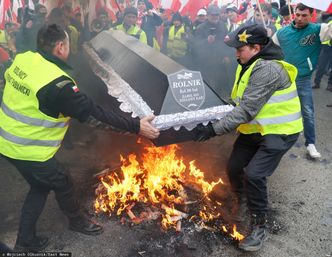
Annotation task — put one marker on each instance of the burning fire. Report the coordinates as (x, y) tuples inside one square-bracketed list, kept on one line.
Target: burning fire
[(160, 181)]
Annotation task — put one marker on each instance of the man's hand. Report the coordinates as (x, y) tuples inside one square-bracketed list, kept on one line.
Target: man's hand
[(204, 133), (146, 129)]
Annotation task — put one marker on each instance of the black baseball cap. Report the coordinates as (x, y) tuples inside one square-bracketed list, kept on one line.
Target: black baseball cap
[(130, 10), (253, 34)]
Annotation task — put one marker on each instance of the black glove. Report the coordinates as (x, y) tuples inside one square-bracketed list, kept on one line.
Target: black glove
[(203, 133)]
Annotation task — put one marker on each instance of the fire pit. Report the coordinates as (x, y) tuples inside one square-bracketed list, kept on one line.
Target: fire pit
[(161, 189)]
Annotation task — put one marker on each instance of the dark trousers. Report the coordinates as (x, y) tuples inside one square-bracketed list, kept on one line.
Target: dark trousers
[(42, 178), (324, 62), (253, 159)]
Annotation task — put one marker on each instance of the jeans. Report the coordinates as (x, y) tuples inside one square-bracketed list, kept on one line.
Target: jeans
[(304, 91), (253, 159)]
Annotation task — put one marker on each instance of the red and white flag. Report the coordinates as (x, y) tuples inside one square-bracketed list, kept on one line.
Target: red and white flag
[(16, 4), (192, 7), (4, 7)]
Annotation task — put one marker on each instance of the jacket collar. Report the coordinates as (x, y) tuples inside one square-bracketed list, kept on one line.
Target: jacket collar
[(53, 59), (294, 27)]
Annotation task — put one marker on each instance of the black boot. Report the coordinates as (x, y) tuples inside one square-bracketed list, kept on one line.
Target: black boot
[(36, 244), (254, 241), (85, 225)]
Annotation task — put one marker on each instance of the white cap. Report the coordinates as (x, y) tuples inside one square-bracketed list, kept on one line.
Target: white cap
[(201, 12)]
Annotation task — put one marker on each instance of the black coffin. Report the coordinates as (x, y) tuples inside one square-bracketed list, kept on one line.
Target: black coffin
[(145, 81)]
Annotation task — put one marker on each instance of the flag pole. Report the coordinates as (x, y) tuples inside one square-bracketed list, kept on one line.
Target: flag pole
[(290, 9), (261, 13), (117, 5)]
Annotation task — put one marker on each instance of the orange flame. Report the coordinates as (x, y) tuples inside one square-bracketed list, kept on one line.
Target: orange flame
[(157, 180), (236, 235)]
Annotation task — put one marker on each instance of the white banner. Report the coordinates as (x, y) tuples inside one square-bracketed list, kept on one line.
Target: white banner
[(322, 5)]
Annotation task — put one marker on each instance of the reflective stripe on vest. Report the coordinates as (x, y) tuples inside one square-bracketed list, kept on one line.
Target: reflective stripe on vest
[(281, 114), (282, 98), (23, 141), (31, 121), (277, 120)]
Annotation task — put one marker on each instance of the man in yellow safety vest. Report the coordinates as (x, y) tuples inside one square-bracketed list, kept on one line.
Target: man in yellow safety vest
[(129, 25), (38, 101), (267, 114)]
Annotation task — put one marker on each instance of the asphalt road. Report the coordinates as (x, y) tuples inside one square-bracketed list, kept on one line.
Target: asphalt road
[(300, 197)]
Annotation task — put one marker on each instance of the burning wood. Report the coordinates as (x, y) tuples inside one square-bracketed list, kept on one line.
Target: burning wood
[(159, 187), (174, 212), (105, 172), (131, 214)]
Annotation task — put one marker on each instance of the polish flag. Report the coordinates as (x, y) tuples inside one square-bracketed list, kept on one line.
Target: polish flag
[(185, 7), (109, 9), (16, 5), (329, 10), (75, 89), (4, 7), (192, 7)]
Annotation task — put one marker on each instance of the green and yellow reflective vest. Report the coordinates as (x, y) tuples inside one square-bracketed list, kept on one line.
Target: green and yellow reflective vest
[(328, 42), (26, 133), (176, 45), (3, 38), (134, 31), (280, 115)]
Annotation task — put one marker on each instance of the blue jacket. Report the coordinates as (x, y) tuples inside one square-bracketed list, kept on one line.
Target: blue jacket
[(301, 47)]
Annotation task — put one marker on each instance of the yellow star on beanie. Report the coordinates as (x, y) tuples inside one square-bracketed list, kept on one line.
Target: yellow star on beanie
[(244, 36)]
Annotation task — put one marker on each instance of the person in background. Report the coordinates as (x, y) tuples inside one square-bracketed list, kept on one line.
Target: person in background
[(200, 18), (268, 118), (162, 31), (264, 21), (209, 51), (129, 24), (246, 10), (301, 44), (26, 37), (286, 16), (324, 64), (275, 15), (223, 14), (148, 20), (232, 18), (177, 39), (101, 23), (34, 118)]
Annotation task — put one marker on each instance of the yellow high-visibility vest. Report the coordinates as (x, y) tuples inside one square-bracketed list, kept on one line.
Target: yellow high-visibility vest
[(26, 133), (280, 115), (3, 38), (176, 45), (134, 31), (328, 42)]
